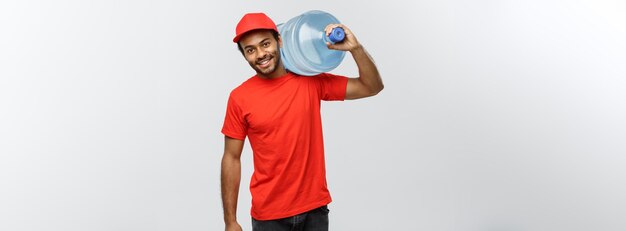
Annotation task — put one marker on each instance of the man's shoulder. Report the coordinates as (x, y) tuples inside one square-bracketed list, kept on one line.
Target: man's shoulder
[(242, 87), (327, 75)]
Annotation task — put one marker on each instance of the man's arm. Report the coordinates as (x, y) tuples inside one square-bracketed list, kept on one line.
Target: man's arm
[(231, 178), (369, 82)]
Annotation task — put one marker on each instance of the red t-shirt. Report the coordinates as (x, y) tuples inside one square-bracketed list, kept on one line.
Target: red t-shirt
[(281, 118)]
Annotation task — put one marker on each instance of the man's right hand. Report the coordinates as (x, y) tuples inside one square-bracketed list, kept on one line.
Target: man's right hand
[(233, 227)]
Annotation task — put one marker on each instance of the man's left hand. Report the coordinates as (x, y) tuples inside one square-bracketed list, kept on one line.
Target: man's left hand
[(349, 43)]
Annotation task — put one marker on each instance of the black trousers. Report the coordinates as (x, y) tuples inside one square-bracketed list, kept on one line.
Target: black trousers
[(314, 220)]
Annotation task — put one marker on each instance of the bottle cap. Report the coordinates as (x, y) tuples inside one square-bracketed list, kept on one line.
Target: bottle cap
[(337, 35)]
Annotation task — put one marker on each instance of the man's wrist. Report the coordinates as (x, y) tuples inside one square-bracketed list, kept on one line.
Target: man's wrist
[(230, 220), (357, 48)]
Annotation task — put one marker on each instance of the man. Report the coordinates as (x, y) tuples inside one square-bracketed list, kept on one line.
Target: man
[(279, 112)]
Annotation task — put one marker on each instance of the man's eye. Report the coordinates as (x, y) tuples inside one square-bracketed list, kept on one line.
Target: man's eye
[(266, 44), (249, 51)]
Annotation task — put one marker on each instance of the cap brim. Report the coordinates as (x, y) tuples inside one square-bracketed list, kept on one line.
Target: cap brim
[(236, 38)]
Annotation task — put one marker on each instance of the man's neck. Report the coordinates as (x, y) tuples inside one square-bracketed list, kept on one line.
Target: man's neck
[(279, 72)]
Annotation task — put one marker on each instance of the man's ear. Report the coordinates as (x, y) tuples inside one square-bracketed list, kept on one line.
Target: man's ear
[(280, 42)]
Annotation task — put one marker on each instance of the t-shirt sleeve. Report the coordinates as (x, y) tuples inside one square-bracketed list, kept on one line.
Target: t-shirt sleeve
[(235, 125), (332, 87)]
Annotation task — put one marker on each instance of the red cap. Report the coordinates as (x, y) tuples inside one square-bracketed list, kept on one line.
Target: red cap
[(253, 21)]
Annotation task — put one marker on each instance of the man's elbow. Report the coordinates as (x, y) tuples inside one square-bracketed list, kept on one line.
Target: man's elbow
[(377, 89), (363, 89), (382, 86)]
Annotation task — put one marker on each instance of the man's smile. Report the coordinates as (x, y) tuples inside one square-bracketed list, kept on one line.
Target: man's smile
[(264, 63)]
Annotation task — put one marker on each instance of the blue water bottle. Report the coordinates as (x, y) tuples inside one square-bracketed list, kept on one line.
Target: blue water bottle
[(304, 50)]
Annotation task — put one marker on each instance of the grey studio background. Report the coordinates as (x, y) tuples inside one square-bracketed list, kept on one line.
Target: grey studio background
[(496, 116)]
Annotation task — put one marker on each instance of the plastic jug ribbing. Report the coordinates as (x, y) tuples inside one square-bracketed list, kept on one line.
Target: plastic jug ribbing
[(304, 48)]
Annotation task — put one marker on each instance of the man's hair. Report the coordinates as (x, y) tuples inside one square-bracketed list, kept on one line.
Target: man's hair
[(274, 33)]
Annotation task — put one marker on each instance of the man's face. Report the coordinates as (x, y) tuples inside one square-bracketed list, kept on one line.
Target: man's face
[(261, 50)]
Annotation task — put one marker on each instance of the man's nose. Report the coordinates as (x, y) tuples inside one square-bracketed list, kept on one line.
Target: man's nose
[(261, 54)]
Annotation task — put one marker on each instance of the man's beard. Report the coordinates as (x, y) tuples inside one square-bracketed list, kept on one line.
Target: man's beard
[(273, 57)]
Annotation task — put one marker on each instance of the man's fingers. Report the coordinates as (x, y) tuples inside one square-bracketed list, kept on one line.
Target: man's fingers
[(329, 28), (329, 45)]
